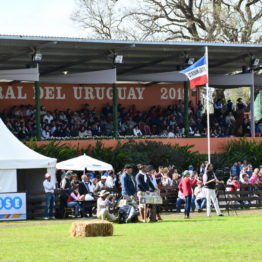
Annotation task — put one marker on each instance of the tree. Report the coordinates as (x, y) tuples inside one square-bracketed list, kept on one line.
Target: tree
[(193, 20)]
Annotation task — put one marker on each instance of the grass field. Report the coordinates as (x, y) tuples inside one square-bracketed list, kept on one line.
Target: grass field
[(229, 238)]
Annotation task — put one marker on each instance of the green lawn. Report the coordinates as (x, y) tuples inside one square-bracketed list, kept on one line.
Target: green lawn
[(233, 238)]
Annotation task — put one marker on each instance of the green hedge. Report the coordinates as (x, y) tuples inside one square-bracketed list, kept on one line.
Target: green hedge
[(155, 153)]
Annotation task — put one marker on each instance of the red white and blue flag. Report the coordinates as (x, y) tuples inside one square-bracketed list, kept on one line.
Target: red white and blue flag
[(197, 73)]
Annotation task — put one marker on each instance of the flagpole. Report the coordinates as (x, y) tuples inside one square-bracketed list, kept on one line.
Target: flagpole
[(207, 104)]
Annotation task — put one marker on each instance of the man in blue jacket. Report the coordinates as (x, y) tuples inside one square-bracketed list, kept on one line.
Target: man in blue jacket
[(127, 182)]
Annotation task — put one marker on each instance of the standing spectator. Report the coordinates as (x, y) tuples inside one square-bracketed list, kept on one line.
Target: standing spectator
[(143, 185), (49, 188), (210, 181), (234, 169), (185, 186), (128, 184), (111, 180)]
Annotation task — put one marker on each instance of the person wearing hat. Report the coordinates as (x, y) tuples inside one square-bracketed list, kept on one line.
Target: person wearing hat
[(49, 188), (128, 185), (144, 184), (103, 204), (200, 196), (101, 185), (66, 182), (185, 187)]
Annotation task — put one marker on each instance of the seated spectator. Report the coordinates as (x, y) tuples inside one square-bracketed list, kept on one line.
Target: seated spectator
[(111, 180), (73, 199), (166, 180), (244, 178), (254, 180), (137, 131), (234, 185), (175, 179), (200, 196), (101, 185)]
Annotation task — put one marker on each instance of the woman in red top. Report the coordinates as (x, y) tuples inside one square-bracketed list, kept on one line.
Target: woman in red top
[(72, 200), (185, 186)]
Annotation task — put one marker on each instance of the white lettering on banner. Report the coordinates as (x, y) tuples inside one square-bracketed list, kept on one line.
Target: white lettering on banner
[(131, 95), (109, 93), (122, 93), (89, 93), (49, 92), (77, 92), (1, 93), (170, 93), (140, 91), (20, 93), (100, 93), (59, 93), (10, 93)]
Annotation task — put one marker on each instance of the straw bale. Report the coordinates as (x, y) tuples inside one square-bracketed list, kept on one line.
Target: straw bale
[(91, 228)]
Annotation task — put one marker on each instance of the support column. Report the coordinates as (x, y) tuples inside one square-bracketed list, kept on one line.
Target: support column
[(186, 87), (115, 111), (37, 111), (252, 112)]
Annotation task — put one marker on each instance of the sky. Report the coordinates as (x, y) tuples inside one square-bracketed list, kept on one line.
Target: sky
[(38, 18)]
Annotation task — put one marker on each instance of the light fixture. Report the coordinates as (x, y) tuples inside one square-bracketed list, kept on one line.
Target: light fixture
[(190, 60), (118, 59), (37, 57), (65, 72)]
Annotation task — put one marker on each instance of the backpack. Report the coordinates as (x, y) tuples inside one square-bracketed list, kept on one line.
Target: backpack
[(128, 214)]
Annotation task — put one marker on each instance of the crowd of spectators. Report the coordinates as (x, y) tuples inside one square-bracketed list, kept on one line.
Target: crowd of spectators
[(239, 173), (227, 120)]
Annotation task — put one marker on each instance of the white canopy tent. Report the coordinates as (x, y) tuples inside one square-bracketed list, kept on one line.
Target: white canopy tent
[(15, 155), (83, 162)]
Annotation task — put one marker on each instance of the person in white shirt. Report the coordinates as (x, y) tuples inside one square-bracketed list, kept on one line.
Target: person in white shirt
[(49, 188), (111, 180), (103, 204), (200, 196), (137, 131)]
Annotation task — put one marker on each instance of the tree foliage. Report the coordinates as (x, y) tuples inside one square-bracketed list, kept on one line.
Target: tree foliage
[(196, 20)]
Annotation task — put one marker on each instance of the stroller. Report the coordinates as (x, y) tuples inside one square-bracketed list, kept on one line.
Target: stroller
[(128, 214)]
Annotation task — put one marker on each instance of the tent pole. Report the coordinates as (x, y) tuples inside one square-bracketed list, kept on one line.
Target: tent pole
[(115, 111), (37, 110), (186, 84), (252, 99)]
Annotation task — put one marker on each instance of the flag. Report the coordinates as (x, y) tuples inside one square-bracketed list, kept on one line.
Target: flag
[(197, 73)]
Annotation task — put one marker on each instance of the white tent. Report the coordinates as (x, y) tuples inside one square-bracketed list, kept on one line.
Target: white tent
[(15, 155), (83, 162)]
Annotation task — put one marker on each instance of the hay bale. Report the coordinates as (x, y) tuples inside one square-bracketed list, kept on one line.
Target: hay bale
[(91, 228)]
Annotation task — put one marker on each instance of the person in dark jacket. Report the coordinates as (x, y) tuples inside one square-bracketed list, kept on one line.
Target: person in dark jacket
[(128, 184), (210, 181), (144, 184)]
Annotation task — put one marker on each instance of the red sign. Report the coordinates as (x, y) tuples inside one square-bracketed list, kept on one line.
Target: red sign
[(63, 96)]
